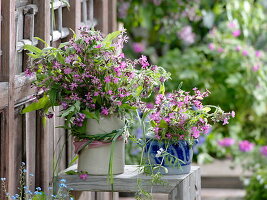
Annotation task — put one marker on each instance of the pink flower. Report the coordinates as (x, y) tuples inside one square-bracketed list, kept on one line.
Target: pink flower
[(245, 53), (258, 54), (231, 25), (168, 135), (68, 59), (98, 46), (220, 50), (104, 111), (245, 146), (238, 48), (233, 114), (187, 35), (83, 176), (121, 55), (138, 47), (226, 142), (115, 80), (107, 79), (195, 132), (236, 33), (255, 68), (211, 46), (263, 151), (109, 92), (225, 121)]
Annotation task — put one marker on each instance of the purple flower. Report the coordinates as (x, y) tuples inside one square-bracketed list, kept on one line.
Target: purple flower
[(238, 48), (245, 146), (64, 105), (50, 115), (83, 176), (226, 142), (236, 33), (263, 150), (233, 114), (231, 25), (28, 73), (143, 61), (138, 47), (67, 70), (150, 105), (68, 59), (225, 121), (104, 111)]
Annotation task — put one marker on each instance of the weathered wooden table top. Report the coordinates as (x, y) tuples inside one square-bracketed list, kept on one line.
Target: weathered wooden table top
[(127, 182)]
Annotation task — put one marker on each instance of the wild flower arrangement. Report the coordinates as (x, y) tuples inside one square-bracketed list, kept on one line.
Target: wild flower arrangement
[(182, 116), (25, 191), (90, 77)]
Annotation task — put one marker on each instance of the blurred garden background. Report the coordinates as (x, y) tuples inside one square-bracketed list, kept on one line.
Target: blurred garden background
[(219, 45)]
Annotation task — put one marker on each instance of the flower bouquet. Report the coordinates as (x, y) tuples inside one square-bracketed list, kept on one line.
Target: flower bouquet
[(96, 87), (176, 122)]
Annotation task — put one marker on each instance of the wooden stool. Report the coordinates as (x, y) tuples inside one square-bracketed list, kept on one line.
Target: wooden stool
[(178, 187)]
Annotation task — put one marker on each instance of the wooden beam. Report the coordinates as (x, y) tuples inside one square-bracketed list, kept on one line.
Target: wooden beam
[(72, 16), (101, 15), (112, 15), (7, 74)]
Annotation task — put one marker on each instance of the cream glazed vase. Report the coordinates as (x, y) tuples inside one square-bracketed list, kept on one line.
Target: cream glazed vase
[(95, 161)]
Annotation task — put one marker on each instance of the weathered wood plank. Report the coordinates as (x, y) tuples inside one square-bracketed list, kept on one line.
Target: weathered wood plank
[(3, 149), (7, 74), (112, 15), (101, 15), (72, 17), (126, 182), (30, 129)]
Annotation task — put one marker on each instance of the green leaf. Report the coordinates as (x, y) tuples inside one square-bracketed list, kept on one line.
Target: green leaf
[(63, 45), (90, 115), (60, 58), (139, 90), (34, 56), (53, 96), (127, 106), (206, 109), (110, 37), (68, 111), (39, 196), (42, 103), (46, 44), (162, 89), (163, 124), (32, 48), (73, 160)]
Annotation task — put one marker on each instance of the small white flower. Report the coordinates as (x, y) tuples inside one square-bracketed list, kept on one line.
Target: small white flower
[(246, 182), (159, 152)]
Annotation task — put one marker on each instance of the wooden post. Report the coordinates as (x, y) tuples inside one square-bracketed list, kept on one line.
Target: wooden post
[(7, 74), (101, 15), (112, 15), (72, 17)]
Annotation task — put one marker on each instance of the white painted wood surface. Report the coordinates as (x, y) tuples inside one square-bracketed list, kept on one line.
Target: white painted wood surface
[(179, 187)]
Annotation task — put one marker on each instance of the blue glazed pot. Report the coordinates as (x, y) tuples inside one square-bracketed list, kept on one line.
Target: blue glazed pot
[(181, 149)]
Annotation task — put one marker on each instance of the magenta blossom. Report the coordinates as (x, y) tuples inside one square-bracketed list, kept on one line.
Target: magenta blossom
[(138, 47), (104, 111), (245, 146), (245, 53), (83, 176), (236, 33), (226, 142), (258, 54), (220, 50), (255, 68), (263, 150), (211, 46)]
